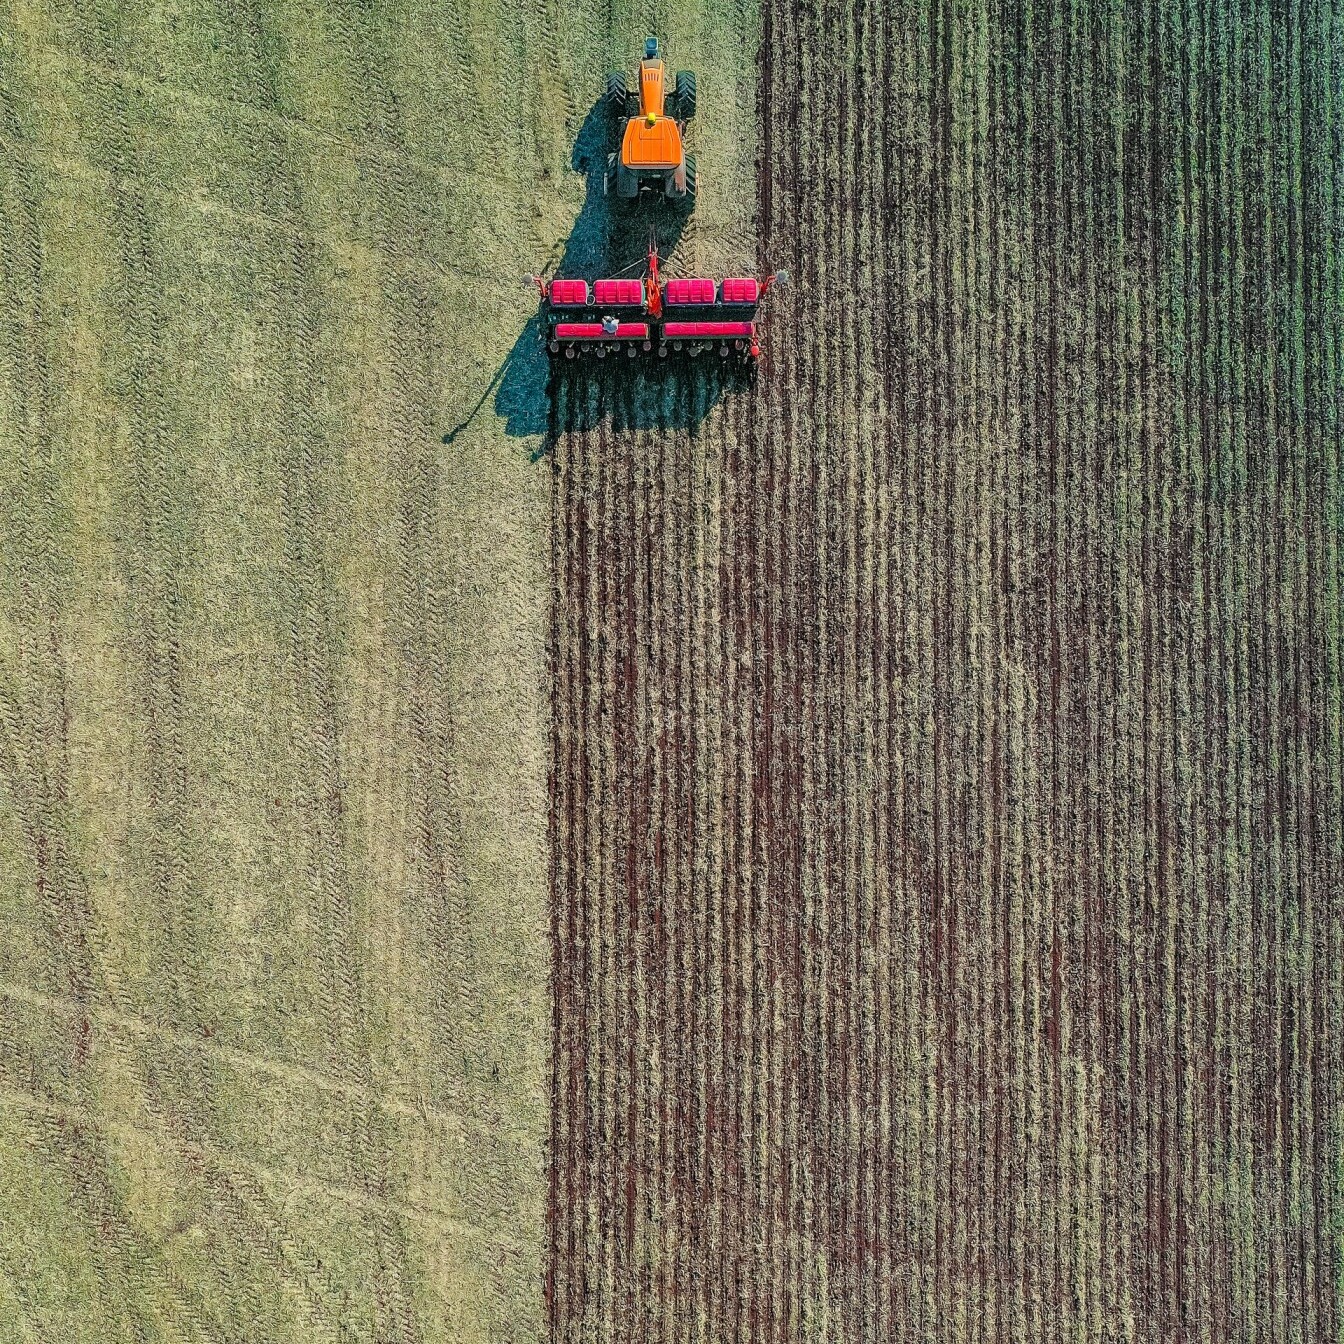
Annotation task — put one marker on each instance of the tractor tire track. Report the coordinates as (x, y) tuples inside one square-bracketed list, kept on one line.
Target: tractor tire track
[(247, 1214), (305, 486)]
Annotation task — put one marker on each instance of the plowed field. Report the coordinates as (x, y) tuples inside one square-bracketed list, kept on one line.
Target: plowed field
[(947, 836)]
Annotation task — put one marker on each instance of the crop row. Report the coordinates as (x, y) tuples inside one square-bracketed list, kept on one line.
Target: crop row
[(947, 848)]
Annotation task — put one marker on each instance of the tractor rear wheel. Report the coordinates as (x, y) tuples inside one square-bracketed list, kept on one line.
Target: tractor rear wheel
[(627, 182), (687, 202), (685, 94)]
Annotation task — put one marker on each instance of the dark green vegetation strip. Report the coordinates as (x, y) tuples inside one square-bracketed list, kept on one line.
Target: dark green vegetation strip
[(949, 844)]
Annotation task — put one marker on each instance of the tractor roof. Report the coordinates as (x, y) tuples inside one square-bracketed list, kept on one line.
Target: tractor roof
[(651, 145)]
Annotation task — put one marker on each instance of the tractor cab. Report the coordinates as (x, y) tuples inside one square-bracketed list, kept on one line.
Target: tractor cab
[(652, 144)]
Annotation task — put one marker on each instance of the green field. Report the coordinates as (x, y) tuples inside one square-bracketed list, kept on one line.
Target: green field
[(274, 1028)]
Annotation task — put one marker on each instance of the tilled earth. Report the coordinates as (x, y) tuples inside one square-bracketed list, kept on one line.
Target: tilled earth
[(948, 838)]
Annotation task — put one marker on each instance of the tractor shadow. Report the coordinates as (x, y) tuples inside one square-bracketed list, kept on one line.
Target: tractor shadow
[(536, 395)]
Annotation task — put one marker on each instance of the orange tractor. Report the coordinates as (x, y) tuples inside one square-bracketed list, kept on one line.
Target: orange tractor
[(652, 122), (644, 314)]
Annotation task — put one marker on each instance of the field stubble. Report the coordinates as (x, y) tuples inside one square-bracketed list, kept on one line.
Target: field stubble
[(272, 993)]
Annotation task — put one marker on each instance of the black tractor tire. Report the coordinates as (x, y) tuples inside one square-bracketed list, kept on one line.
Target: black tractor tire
[(626, 184), (685, 94), (618, 94), (687, 202)]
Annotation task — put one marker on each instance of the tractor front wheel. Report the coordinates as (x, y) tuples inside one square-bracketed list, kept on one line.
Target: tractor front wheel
[(686, 94), (618, 93)]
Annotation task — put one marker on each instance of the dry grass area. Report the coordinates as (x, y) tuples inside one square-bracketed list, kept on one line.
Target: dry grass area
[(274, 1025)]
